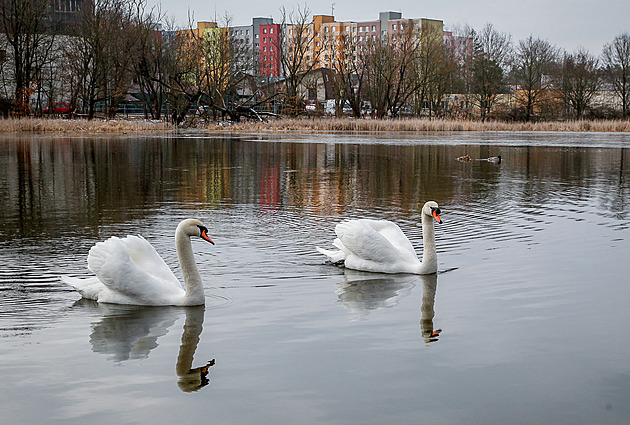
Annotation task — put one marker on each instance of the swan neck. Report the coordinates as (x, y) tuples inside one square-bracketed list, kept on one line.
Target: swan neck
[(192, 278), (190, 338), (429, 255)]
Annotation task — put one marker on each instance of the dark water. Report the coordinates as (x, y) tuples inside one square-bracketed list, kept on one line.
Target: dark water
[(532, 295)]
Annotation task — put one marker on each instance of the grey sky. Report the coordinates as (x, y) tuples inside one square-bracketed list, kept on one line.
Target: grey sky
[(567, 24)]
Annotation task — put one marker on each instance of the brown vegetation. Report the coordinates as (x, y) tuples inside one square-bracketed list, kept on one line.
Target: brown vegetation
[(42, 125), (420, 124)]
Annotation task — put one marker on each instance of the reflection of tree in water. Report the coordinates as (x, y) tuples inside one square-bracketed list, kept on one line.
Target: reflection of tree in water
[(55, 187), (427, 308), (131, 332), (361, 292)]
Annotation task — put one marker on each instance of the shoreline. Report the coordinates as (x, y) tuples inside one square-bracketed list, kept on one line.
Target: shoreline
[(324, 125)]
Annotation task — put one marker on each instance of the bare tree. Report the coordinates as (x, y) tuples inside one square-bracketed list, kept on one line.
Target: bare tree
[(347, 75), (30, 35), (183, 79), (379, 66), (533, 63), (616, 61), (298, 57), (102, 52), (433, 71), (152, 63), (491, 56), (579, 80), (390, 69), (224, 70), (462, 49)]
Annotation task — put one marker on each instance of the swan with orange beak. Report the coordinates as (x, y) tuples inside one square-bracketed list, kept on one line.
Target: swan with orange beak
[(380, 246)]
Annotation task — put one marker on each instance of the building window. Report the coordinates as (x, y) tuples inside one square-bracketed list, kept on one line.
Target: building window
[(270, 30), (394, 27), (373, 27), (67, 5)]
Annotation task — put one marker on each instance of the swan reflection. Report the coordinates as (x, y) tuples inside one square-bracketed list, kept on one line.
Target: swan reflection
[(361, 292), (131, 332), (191, 379), (427, 308)]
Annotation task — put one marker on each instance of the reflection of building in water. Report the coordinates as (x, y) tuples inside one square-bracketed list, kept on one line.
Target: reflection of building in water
[(361, 292), (131, 332), (429, 287), (51, 183)]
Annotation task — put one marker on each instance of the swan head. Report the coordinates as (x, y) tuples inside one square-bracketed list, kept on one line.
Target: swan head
[(192, 227), (432, 209)]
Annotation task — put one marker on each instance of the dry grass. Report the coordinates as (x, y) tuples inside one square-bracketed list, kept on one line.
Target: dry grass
[(52, 125), (420, 125), (47, 125)]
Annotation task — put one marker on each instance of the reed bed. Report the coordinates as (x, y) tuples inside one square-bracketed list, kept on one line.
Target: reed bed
[(52, 125), (421, 125), (57, 125)]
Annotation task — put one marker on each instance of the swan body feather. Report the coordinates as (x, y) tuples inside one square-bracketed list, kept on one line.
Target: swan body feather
[(130, 271)]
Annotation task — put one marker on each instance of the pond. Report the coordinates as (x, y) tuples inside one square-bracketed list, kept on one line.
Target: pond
[(531, 296)]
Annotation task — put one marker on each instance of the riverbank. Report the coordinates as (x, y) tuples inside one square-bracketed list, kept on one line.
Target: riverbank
[(52, 125)]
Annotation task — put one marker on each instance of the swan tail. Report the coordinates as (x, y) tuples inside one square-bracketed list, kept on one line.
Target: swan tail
[(334, 257), (88, 288)]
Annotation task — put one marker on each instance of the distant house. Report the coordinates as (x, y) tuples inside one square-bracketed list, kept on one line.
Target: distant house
[(317, 85)]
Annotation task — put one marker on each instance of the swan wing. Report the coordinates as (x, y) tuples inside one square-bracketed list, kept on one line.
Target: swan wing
[(392, 233), (368, 246), (146, 257), (132, 268)]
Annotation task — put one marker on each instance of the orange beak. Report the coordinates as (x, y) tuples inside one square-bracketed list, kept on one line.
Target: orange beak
[(205, 237), (437, 217)]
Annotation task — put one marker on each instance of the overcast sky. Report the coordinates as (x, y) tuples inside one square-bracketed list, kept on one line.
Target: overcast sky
[(567, 24)]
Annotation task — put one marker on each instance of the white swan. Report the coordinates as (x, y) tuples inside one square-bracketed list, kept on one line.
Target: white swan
[(380, 246), (130, 271)]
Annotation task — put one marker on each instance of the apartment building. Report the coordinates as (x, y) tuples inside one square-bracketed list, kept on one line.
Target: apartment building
[(329, 43), (346, 40), (248, 39), (269, 50)]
